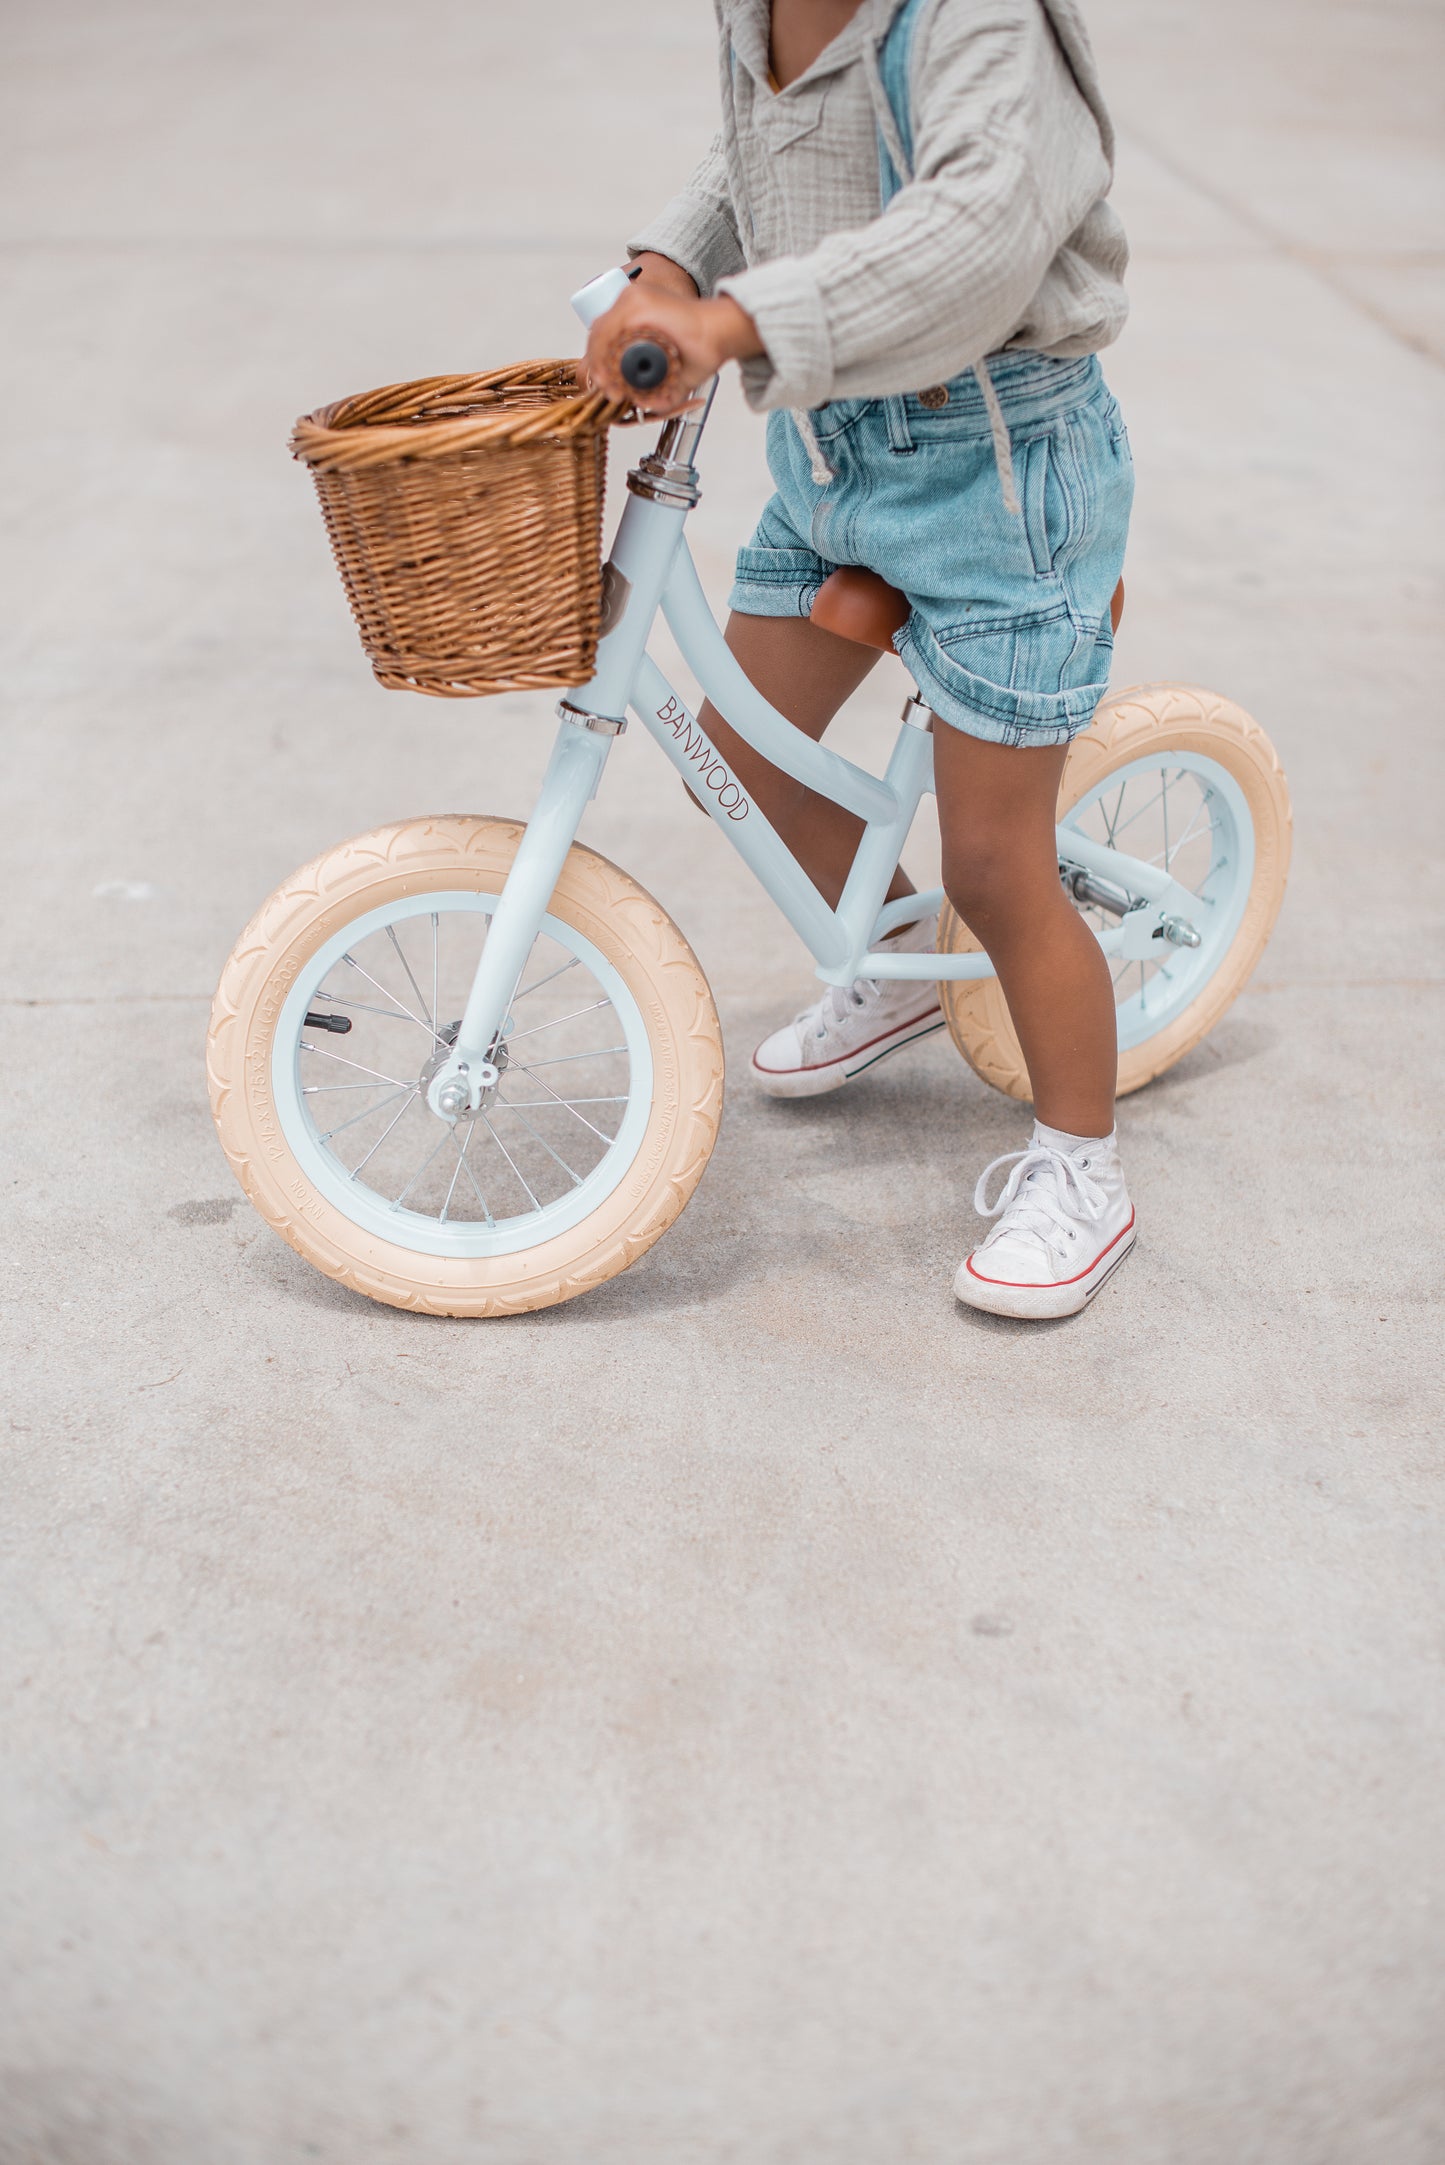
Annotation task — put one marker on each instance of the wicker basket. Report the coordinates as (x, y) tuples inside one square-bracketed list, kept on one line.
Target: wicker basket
[(465, 514)]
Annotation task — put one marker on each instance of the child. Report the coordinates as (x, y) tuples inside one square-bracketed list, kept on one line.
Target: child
[(901, 234)]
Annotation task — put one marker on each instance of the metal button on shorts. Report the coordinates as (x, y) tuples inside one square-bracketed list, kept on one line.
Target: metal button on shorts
[(936, 395)]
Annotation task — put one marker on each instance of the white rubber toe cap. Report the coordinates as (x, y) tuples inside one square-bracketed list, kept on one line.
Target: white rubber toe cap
[(1002, 1279)]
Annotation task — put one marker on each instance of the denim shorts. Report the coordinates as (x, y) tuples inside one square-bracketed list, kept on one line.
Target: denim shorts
[(1008, 636)]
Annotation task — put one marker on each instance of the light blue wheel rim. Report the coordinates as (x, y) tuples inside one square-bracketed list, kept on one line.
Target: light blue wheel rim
[(1151, 997), (416, 1231)]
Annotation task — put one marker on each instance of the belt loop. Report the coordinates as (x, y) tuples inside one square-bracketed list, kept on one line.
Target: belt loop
[(900, 438)]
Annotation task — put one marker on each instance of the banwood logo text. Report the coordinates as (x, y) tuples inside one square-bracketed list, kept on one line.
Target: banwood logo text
[(700, 754)]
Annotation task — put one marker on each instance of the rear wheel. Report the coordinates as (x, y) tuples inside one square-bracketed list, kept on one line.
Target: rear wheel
[(1182, 779), (344, 996)]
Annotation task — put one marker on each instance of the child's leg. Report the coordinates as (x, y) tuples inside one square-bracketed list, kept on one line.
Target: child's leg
[(1063, 1218), (807, 674), (997, 811)]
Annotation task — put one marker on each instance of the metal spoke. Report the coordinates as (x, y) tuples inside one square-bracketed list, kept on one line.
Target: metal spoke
[(456, 1172), (435, 1007), (1123, 826), (512, 1107), (1104, 813), (399, 1080), (413, 1092), (506, 1153), (311, 1090), (1167, 855), (466, 1161), (430, 1013), (398, 1200), (365, 1114), (608, 1139), (560, 971), (536, 1026), (533, 1103), (431, 1033), (560, 1059)]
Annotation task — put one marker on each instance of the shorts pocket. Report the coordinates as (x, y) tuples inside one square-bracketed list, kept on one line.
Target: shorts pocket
[(1033, 679), (834, 420), (1040, 655), (1050, 523)]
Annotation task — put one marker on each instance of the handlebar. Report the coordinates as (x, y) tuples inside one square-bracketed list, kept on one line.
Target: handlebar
[(644, 365)]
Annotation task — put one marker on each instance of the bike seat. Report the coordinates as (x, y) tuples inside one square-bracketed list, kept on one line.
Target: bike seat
[(856, 604)]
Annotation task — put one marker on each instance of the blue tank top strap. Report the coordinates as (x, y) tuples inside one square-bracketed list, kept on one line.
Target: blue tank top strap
[(894, 61), (894, 67)]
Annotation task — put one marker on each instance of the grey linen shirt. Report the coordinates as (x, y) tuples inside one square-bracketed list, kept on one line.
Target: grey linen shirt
[(1001, 239)]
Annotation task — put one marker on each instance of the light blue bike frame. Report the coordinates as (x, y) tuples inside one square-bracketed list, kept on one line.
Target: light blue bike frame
[(651, 569)]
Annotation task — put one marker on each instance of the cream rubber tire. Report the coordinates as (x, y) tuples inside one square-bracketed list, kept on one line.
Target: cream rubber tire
[(1237, 789), (448, 871)]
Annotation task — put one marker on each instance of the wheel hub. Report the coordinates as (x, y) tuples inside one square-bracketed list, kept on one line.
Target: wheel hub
[(455, 1095)]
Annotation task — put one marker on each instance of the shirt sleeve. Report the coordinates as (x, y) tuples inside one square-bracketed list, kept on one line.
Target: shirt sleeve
[(1007, 163), (698, 229)]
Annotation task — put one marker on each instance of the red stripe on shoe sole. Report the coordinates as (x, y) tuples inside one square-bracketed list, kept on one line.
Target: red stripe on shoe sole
[(897, 1027), (1045, 1285)]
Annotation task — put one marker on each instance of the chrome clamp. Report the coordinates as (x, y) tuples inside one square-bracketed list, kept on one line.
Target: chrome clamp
[(664, 480), (605, 725)]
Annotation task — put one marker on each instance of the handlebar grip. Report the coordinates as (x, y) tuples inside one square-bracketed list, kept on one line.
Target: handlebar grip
[(644, 365)]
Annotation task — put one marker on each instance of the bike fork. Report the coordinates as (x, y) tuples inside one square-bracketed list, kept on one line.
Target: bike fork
[(662, 489), (568, 787)]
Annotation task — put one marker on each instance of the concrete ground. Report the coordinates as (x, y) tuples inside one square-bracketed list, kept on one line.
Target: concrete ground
[(758, 1713)]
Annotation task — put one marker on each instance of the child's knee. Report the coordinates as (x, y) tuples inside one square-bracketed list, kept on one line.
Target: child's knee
[(980, 880)]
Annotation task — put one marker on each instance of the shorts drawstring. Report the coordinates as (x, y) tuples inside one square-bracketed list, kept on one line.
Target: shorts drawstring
[(1003, 456), (818, 466)]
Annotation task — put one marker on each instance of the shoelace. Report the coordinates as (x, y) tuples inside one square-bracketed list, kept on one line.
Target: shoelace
[(1040, 1207), (837, 1002)]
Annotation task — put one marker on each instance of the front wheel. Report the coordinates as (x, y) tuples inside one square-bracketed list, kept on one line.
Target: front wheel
[(343, 997), (1183, 779)]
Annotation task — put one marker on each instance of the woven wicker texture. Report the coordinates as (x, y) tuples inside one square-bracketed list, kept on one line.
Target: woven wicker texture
[(465, 515)]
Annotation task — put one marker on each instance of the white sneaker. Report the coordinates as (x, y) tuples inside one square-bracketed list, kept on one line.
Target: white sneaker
[(1065, 1224), (851, 1028)]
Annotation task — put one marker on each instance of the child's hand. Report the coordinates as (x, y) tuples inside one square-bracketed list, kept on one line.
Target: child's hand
[(703, 334)]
